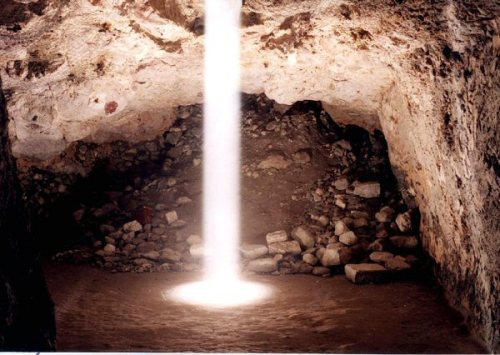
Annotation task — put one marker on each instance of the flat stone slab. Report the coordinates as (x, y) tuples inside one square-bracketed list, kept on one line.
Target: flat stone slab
[(253, 251), (277, 236), (263, 265), (365, 273), (290, 247)]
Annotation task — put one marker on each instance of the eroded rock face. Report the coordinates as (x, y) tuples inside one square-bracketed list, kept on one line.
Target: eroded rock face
[(423, 73)]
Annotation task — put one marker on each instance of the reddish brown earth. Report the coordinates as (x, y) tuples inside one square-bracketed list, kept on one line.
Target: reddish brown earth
[(102, 311)]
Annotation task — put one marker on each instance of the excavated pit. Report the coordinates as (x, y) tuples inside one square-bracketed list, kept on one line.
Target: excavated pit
[(316, 196)]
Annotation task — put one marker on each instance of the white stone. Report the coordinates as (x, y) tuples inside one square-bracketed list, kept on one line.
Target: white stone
[(278, 236), (263, 265), (367, 189), (310, 259), (381, 256), (109, 249), (193, 239), (336, 256), (348, 238), (303, 235), (197, 251), (170, 255), (253, 251), (132, 226), (386, 214), (365, 273), (289, 247), (340, 228), (171, 217), (403, 221)]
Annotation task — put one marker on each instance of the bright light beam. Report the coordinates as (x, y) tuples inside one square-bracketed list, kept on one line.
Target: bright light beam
[(221, 286)]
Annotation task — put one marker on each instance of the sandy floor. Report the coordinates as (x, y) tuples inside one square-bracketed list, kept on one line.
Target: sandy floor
[(98, 310)]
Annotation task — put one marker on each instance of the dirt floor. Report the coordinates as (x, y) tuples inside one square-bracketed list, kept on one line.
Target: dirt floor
[(101, 311)]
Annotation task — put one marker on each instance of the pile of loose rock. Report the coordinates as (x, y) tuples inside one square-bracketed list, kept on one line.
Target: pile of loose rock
[(354, 220)]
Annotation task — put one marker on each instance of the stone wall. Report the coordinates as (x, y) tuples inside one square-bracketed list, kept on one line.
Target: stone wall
[(26, 310)]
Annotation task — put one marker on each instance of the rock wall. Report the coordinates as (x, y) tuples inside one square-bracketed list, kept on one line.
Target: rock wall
[(422, 72), (26, 310)]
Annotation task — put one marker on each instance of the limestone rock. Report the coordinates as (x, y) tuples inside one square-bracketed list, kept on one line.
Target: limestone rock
[(171, 217), (170, 255), (367, 189), (404, 242), (396, 264), (348, 238), (274, 161), (386, 214), (132, 226), (194, 239), (289, 247), (303, 235), (253, 251), (365, 273), (381, 256), (264, 265), (278, 236), (340, 228), (338, 256), (310, 259), (403, 221), (320, 271)]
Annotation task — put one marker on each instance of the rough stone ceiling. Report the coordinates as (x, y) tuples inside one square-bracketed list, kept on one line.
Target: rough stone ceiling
[(122, 66)]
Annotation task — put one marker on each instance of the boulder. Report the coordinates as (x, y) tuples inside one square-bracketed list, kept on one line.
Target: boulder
[(365, 273)]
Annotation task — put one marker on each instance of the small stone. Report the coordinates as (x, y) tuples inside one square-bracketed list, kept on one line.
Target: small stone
[(278, 257), (302, 156), (340, 228), (196, 162), (365, 273), (360, 222), (397, 264), (253, 251), (310, 259), (274, 161), (290, 247), (193, 239), (178, 224), (385, 215), (141, 261), (341, 184), (340, 202), (152, 255), (109, 249), (304, 236), (381, 256), (382, 231), (133, 226), (369, 189), (263, 265), (403, 221), (170, 255), (171, 217), (183, 200), (145, 247), (197, 251), (404, 242), (171, 182), (278, 236), (377, 245), (348, 238), (320, 271), (336, 256)]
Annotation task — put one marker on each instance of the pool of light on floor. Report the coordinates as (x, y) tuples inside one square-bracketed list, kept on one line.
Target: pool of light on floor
[(219, 294)]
